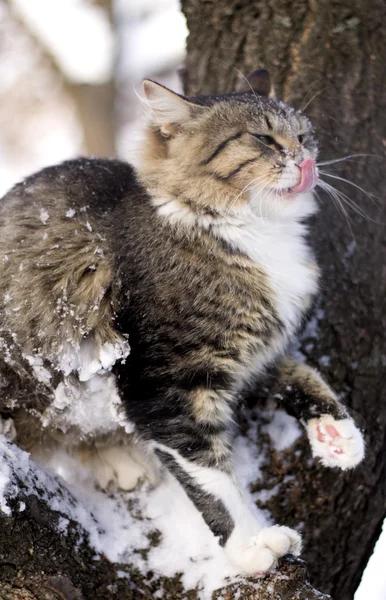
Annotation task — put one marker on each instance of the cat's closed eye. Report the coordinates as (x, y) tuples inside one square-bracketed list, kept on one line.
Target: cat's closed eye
[(267, 140)]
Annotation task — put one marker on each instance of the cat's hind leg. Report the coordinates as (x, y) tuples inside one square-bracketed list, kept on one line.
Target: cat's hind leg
[(121, 466), (333, 435)]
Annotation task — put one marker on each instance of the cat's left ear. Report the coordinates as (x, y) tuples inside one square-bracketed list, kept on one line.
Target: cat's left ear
[(259, 81), (170, 110)]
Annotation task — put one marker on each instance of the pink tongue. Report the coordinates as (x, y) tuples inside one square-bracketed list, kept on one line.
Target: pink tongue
[(309, 177)]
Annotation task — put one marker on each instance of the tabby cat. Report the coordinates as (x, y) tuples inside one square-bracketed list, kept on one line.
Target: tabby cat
[(169, 290)]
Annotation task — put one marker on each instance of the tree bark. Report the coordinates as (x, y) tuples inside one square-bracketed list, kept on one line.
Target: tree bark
[(330, 57)]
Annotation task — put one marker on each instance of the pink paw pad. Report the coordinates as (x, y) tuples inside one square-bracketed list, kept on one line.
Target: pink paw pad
[(328, 436), (337, 442)]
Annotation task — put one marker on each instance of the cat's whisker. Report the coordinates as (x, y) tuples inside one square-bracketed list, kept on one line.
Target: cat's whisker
[(143, 103), (367, 194), (312, 98), (246, 80), (344, 158), (247, 188), (234, 200), (309, 89), (338, 204), (260, 183), (265, 189), (344, 198)]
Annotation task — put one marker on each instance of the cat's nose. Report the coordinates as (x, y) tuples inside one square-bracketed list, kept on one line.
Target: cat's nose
[(308, 176)]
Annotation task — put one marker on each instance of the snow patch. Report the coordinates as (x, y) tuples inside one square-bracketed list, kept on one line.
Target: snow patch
[(41, 373), (283, 430), (119, 525), (93, 406), (88, 360), (373, 583), (44, 216)]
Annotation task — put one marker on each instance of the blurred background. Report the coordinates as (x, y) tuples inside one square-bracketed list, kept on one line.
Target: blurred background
[(70, 72)]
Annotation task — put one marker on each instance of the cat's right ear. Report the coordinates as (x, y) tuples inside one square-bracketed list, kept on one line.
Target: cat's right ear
[(259, 82), (170, 110)]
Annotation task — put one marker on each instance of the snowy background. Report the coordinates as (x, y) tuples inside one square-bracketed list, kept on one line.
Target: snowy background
[(71, 71)]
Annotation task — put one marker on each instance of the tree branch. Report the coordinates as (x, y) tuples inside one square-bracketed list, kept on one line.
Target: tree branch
[(40, 562)]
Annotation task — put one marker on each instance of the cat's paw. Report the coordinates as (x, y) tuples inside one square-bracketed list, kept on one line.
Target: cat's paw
[(8, 429), (338, 443), (121, 467), (260, 553)]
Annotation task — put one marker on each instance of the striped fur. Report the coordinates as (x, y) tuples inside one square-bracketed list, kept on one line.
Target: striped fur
[(198, 260)]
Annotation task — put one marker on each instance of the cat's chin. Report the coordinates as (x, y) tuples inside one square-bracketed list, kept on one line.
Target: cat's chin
[(288, 194), (283, 205)]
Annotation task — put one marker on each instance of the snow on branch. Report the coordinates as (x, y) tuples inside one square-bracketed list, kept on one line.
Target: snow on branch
[(57, 537)]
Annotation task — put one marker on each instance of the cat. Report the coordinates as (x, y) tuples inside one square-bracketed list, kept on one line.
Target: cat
[(158, 296)]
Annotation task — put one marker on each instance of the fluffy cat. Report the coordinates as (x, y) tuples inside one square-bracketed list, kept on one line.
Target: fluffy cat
[(198, 260)]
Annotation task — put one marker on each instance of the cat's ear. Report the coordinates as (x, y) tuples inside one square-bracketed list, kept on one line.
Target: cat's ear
[(259, 81), (170, 110)]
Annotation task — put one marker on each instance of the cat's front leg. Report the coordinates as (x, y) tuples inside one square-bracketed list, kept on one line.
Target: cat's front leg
[(214, 492), (192, 444), (333, 435)]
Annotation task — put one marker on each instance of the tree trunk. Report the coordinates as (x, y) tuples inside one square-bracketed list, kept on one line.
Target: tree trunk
[(330, 57)]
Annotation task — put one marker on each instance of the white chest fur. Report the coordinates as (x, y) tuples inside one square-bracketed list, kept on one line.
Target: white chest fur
[(277, 246), (280, 249)]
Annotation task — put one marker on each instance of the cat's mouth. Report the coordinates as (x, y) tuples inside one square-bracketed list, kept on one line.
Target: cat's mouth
[(308, 177)]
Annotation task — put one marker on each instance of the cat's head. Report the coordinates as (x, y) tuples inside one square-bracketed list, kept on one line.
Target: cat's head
[(231, 151)]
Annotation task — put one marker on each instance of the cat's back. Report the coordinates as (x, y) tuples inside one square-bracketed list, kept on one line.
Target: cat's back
[(56, 267), (83, 185)]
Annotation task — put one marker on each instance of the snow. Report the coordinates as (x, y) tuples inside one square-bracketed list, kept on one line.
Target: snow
[(312, 327), (151, 40), (283, 430), (4, 480), (88, 363), (44, 216), (86, 59), (92, 406), (121, 523), (373, 583), (41, 373)]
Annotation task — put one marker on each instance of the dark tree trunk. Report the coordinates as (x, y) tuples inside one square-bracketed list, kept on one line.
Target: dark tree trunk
[(331, 55)]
